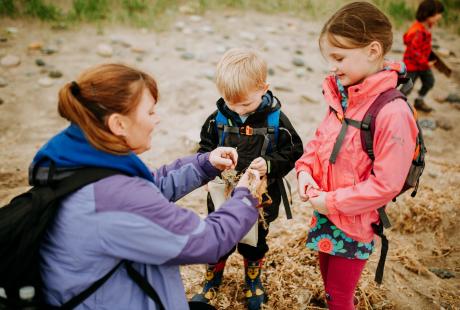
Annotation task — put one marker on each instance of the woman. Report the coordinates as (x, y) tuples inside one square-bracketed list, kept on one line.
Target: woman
[(130, 216)]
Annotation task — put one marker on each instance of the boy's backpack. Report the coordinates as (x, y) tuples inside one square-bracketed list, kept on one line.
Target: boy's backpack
[(367, 127), (270, 133)]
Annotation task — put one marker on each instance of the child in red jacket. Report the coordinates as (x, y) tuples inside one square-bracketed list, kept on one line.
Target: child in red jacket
[(418, 49)]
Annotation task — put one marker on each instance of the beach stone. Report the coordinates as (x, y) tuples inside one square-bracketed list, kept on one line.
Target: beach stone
[(104, 50), (443, 52), (271, 71), (35, 46), (187, 56), (298, 62), (444, 124), (3, 82), (49, 50), (179, 26), (249, 36), (11, 30), (453, 98), (207, 29), (196, 18), (45, 82), (428, 124), (209, 74), (187, 30), (221, 49), (283, 88), (55, 74), (1, 101), (139, 59), (307, 99), (300, 72), (3, 39), (39, 62), (442, 273), (59, 26), (10, 61), (138, 50)]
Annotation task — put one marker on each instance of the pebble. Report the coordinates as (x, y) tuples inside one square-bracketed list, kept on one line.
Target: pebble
[(283, 88), (49, 50), (207, 29), (442, 273), (196, 18), (443, 52), (104, 50), (248, 36), (45, 82), (139, 59), (209, 74), (187, 56), (138, 49), (300, 72), (39, 62), (3, 82), (179, 26), (55, 74), (428, 124), (298, 62), (307, 99), (11, 30), (10, 61), (3, 39), (453, 98), (60, 26), (35, 46), (444, 124), (221, 49), (1, 101), (271, 71)]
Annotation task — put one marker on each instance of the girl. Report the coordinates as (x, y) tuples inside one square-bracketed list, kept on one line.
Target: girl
[(346, 189), (418, 49)]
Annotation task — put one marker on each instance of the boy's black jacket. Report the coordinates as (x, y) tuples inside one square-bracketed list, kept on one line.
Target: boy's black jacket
[(289, 146)]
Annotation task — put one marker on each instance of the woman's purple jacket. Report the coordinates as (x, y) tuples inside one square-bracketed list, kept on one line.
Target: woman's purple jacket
[(130, 218)]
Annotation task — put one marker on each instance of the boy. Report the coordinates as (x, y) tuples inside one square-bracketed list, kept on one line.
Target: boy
[(247, 104), (418, 49)]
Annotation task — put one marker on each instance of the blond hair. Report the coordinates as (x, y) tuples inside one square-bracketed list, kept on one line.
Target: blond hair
[(239, 72)]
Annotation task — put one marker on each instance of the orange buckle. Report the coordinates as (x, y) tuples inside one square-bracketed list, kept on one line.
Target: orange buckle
[(247, 130)]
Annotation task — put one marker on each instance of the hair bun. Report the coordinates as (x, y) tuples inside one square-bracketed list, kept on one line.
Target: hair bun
[(74, 88)]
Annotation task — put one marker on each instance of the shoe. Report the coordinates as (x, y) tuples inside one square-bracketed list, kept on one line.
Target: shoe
[(213, 279), (420, 105), (254, 290)]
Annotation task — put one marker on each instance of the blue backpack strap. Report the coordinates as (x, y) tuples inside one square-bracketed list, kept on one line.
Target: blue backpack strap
[(273, 121), (221, 121)]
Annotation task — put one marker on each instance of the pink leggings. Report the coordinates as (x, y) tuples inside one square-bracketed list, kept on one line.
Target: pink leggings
[(340, 276)]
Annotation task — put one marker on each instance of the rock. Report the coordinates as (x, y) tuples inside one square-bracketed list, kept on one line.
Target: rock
[(35, 46), (45, 82), (426, 123), (298, 52), (49, 50), (283, 88), (138, 49), (307, 99), (39, 62), (271, 71), (3, 82), (104, 50), (11, 30), (453, 98), (3, 39), (283, 68), (1, 101), (115, 39), (209, 74), (298, 62), (443, 52), (310, 69), (202, 57), (187, 56), (300, 72), (55, 74), (179, 26), (10, 61), (442, 273), (207, 29), (187, 31), (444, 124), (139, 59), (249, 36), (433, 175), (196, 18), (180, 48), (187, 9), (59, 26), (221, 49), (271, 30)]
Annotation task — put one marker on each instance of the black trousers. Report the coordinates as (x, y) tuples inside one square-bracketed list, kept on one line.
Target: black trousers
[(427, 79), (271, 213)]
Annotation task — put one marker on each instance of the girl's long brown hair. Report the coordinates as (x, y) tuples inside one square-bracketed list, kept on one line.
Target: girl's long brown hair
[(360, 23), (99, 92)]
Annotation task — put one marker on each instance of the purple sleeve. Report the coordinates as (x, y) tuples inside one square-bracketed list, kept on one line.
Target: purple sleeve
[(184, 175)]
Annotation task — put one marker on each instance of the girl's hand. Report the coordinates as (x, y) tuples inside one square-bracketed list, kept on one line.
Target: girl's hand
[(250, 179), (260, 165), (223, 158), (305, 182), (319, 203)]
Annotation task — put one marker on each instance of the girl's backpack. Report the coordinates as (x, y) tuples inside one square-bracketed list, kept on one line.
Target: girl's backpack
[(367, 127)]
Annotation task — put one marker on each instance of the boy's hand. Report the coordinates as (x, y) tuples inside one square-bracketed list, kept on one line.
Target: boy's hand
[(250, 179), (432, 63), (223, 158), (305, 183), (319, 202), (260, 165)]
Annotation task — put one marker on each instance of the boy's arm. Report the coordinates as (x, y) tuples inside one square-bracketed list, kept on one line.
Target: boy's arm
[(289, 149), (208, 137)]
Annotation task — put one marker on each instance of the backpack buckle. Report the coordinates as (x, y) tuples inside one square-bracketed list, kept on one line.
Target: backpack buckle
[(247, 130)]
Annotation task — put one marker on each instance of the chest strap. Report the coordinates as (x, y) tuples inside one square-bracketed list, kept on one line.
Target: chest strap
[(343, 131)]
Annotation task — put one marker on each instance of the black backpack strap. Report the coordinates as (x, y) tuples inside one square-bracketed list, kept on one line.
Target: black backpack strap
[(78, 299), (284, 196), (378, 230), (343, 131)]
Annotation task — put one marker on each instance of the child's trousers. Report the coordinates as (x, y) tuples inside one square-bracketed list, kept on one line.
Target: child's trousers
[(340, 277), (427, 79)]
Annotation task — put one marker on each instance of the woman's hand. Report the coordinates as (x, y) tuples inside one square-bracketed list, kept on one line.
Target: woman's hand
[(260, 165), (250, 179), (223, 158), (305, 182), (319, 202)]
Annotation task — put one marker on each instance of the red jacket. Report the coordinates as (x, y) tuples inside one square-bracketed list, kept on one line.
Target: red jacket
[(418, 47)]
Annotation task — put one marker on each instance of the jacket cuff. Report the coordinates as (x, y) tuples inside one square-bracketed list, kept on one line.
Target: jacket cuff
[(244, 191), (205, 164), (303, 169), (330, 203)]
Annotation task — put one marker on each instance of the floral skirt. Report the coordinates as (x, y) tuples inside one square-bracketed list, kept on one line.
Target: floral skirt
[(325, 237)]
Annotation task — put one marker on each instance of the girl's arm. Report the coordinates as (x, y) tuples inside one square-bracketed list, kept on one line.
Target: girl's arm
[(394, 146)]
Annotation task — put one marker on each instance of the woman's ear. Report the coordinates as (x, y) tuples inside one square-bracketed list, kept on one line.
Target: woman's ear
[(375, 50), (117, 124)]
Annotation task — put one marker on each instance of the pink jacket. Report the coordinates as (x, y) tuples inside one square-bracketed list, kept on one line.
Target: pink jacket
[(353, 194)]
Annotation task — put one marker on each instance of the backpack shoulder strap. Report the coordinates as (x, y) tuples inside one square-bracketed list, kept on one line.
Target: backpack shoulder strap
[(221, 122), (368, 122)]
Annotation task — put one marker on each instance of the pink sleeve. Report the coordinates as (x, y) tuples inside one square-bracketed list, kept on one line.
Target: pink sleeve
[(394, 145), (307, 160)]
